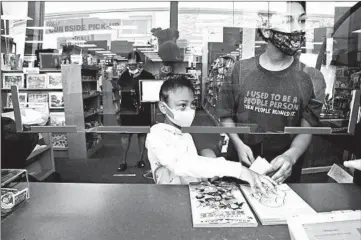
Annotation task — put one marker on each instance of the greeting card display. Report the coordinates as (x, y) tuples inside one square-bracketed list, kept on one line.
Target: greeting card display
[(54, 81), (56, 100), (219, 204), (36, 81), (13, 79), (274, 208)]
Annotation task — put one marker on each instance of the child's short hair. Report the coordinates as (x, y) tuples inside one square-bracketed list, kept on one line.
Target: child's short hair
[(173, 83)]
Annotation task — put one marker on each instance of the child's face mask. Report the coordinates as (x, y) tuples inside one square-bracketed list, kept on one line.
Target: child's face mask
[(181, 118)]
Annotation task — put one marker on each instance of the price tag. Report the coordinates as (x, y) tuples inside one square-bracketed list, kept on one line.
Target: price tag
[(31, 70), (339, 175)]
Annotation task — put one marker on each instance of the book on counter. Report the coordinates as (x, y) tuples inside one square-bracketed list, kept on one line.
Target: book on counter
[(219, 204), (275, 207)]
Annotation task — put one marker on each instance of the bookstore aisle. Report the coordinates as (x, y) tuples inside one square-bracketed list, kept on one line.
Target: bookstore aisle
[(102, 166)]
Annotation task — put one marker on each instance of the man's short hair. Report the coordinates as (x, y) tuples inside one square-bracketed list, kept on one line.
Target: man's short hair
[(259, 30), (173, 83)]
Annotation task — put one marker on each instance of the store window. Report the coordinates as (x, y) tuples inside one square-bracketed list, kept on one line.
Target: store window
[(97, 35)]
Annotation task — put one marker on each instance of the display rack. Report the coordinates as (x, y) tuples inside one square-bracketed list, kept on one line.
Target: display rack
[(195, 75), (82, 108), (38, 86), (40, 163), (220, 69)]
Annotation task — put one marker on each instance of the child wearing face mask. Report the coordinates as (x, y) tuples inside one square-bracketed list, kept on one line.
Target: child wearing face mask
[(172, 154)]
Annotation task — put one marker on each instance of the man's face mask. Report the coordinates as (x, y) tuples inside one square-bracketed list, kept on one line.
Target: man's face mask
[(181, 118), (288, 43)]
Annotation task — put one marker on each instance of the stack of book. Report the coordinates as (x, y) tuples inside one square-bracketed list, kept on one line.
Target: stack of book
[(219, 204)]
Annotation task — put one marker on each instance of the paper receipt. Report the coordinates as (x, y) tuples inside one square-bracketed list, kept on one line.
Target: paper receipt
[(260, 165), (339, 175)]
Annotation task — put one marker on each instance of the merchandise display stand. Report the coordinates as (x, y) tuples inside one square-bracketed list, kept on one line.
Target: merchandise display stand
[(38, 87), (40, 164), (82, 108)]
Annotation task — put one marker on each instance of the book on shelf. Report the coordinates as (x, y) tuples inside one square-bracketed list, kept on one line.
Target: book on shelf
[(275, 208), (36, 81), (56, 100), (23, 98), (57, 119), (59, 140), (13, 79), (54, 81), (38, 97), (219, 204)]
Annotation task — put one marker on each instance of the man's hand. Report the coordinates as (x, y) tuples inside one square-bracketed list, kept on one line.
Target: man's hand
[(356, 164), (245, 154), (282, 165)]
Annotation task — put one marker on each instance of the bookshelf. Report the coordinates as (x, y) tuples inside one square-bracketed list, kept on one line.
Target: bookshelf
[(38, 88), (40, 163), (83, 108)]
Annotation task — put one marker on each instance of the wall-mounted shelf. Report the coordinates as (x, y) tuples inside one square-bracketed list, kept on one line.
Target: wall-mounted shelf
[(35, 89)]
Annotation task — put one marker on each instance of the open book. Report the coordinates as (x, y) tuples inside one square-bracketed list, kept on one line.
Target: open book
[(275, 208), (219, 204)]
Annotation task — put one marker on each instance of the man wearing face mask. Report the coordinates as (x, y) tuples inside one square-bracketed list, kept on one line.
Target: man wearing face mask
[(271, 92), (129, 80)]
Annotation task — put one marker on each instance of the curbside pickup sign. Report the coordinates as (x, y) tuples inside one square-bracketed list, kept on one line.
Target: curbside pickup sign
[(79, 25)]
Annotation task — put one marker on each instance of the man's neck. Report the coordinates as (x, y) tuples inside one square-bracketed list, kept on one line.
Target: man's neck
[(275, 60)]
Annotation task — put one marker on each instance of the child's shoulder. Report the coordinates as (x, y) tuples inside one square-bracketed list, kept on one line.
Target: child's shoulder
[(159, 127)]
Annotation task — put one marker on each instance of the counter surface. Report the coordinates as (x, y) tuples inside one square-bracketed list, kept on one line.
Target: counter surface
[(124, 211)]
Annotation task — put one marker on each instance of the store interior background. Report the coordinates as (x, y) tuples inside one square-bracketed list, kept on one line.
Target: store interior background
[(207, 30)]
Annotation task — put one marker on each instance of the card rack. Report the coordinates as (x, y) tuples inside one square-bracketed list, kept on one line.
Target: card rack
[(220, 69)]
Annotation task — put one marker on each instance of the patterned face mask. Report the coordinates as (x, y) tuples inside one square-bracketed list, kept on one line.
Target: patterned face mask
[(288, 43)]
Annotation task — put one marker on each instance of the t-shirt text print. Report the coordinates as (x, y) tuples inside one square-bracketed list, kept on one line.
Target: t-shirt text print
[(275, 104)]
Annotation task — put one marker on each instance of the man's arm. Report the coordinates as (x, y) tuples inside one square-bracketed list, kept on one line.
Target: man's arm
[(226, 112), (299, 144)]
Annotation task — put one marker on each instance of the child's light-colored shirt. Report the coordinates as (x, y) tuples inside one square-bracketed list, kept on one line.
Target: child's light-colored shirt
[(174, 158)]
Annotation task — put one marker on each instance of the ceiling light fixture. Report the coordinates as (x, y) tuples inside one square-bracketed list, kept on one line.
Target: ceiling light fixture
[(96, 49), (87, 45), (75, 41)]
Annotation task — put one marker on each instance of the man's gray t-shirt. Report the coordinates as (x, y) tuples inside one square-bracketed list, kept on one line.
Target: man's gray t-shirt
[(269, 100)]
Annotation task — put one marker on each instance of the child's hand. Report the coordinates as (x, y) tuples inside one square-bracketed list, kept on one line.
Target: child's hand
[(258, 182), (355, 164)]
